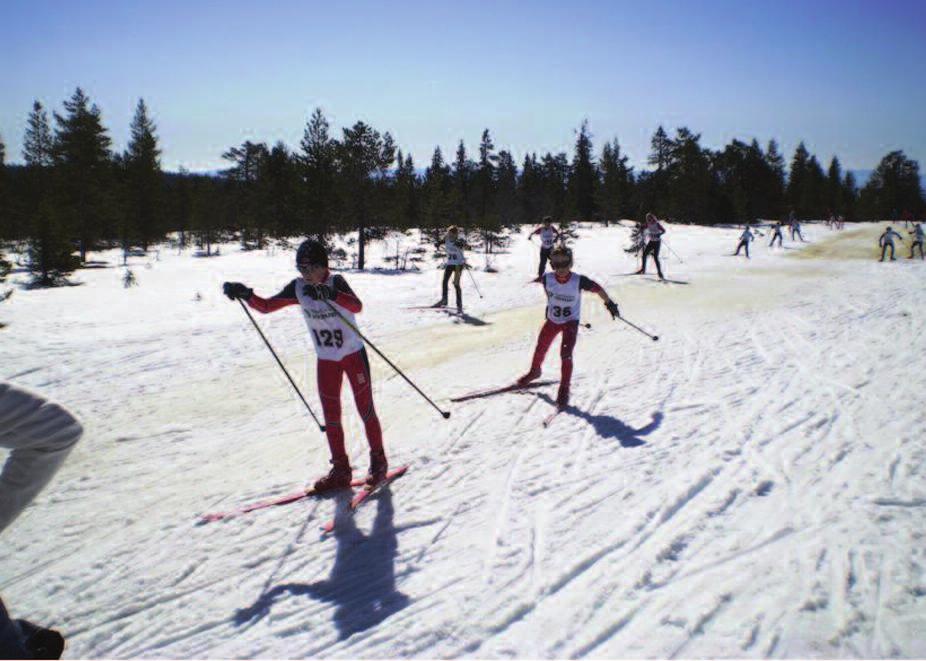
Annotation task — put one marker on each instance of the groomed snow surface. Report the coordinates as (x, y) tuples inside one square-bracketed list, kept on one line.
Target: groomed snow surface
[(751, 485)]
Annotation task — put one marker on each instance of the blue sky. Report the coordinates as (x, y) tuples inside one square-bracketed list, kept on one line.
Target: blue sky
[(844, 76)]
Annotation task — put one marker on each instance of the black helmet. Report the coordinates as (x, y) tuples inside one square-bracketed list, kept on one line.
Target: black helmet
[(311, 252), (561, 254)]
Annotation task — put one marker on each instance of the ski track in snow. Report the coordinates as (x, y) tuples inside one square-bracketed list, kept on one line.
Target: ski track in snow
[(749, 486)]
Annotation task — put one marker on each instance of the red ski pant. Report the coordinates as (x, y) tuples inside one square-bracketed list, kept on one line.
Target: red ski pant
[(330, 377), (548, 333)]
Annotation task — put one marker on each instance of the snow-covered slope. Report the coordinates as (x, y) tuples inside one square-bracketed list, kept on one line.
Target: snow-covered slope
[(749, 486)]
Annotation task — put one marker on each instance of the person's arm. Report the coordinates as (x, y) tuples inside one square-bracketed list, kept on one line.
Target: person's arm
[(286, 297), (345, 296)]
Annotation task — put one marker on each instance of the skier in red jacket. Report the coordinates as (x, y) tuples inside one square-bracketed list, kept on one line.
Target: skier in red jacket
[(339, 349)]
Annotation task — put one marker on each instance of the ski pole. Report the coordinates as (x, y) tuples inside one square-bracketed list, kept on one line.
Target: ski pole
[(298, 392), (474, 281), (673, 252), (446, 414), (654, 338)]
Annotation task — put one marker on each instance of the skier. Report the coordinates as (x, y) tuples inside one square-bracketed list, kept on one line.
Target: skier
[(791, 222), (745, 238), (41, 434), (564, 301), (776, 234), (652, 238), (917, 234), (796, 230), (339, 350), (548, 234), (887, 239), (453, 266)]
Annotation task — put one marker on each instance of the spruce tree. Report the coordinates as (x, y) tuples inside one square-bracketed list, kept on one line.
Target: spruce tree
[(689, 178), (436, 197), (486, 217), (583, 180), (615, 192), (463, 169), (661, 148), (142, 217), (834, 189), (248, 215), (530, 190), (776, 185), (796, 195), (38, 145), (849, 196), (83, 160)]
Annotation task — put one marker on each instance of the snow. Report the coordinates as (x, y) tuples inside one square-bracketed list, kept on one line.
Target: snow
[(751, 485)]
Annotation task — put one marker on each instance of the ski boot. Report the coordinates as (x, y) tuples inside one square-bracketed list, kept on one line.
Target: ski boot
[(532, 375), (378, 468), (339, 477)]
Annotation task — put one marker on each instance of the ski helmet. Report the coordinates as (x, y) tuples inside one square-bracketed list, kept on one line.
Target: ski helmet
[(312, 253), (561, 256)]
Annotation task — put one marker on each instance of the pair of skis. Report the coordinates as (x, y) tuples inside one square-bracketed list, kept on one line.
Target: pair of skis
[(361, 497), (514, 387)]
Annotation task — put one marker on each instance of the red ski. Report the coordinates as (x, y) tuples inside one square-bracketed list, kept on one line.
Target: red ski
[(270, 502), (495, 391), (365, 494)]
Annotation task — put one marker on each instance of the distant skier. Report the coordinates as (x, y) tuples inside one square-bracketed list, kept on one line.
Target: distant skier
[(745, 239), (796, 231), (792, 219), (339, 350), (548, 235), (887, 240), (917, 234), (453, 266), (652, 241), (564, 302), (776, 234)]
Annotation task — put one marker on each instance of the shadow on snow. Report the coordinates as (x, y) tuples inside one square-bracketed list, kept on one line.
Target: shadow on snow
[(361, 586), (610, 427)]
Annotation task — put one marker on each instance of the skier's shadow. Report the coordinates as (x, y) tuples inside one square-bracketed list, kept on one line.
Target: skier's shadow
[(464, 318), (361, 585), (610, 427)]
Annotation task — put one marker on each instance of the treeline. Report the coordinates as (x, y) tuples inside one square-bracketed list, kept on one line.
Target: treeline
[(74, 194)]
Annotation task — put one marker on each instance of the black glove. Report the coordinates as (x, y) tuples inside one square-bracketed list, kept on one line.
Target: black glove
[(320, 292), (612, 308), (237, 290)]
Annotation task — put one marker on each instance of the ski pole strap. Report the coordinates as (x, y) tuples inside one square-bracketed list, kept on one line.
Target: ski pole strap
[(654, 338), (445, 414), (293, 383)]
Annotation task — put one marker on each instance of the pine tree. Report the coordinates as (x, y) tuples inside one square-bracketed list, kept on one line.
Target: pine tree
[(689, 177), (797, 182), (776, 184), (583, 180), (530, 190), (143, 220), (38, 146), (849, 196), (363, 156), (813, 198), (615, 191), (319, 202), (463, 169), (84, 162), (657, 182), (486, 217), (834, 189), (248, 215), (436, 197), (894, 185)]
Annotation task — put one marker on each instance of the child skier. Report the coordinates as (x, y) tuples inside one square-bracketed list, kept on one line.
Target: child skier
[(652, 240), (776, 234), (745, 238), (548, 235), (887, 239), (917, 234), (339, 349), (453, 266), (564, 301)]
